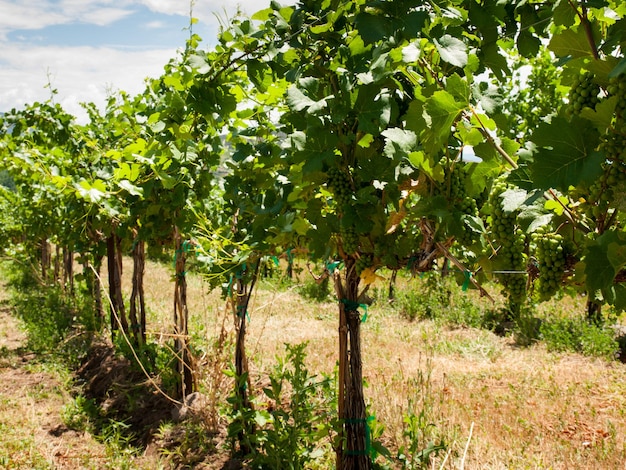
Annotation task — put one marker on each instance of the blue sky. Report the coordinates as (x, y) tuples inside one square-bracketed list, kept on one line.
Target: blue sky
[(89, 47)]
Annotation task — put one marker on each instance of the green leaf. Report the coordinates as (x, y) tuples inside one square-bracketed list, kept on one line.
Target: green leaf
[(619, 69), (92, 192), (566, 155), (513, 199), (373, 28), (564, 14), (617, 255), (452, 50), (399, 143), (602, 115), (441, 110), (528, 44), (619, 302), (570, 42), (200, 64), (130, 188), (298, 101)]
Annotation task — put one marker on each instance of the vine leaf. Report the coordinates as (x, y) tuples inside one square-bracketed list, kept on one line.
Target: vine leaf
[(566, 155), (513, 199), (298, 101), (441, 111), (399, 143), (368, 276), (604, 259), (452, 50), (571, 43), (599, 273)]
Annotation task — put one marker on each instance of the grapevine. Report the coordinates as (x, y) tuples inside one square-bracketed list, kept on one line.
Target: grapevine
[(551, 256), (583, 93), (339, 184), (511, 256), (362, 263), (457, 195), (350, 240)]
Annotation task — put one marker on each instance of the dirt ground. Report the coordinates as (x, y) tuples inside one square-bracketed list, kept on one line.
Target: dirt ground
[(32, 432)]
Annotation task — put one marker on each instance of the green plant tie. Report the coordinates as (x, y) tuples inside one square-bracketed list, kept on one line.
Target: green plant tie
[(368, 435), (411, 262), (229, 288), (134, 245), (241, 310), (468, 277), (289, 256), (240, 272), (186, 247), (275, 260), (332, 265), (352, 306)]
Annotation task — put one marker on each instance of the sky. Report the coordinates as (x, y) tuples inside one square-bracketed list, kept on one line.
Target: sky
[(87, 48)]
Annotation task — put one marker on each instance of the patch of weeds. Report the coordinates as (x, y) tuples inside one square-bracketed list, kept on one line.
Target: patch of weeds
[(434, 299), (420, 440), (117, 438), (578, 335), (154, 359), (290, 425), (185, 444), (527, 328), (480, 345), (81, 414), (317, 291), (56, 323)]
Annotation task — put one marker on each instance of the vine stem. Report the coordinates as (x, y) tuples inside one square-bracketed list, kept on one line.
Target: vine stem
[(584, 20), (483, 130)]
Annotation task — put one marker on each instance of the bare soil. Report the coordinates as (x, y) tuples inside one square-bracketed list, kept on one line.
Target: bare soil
[(32, 432)]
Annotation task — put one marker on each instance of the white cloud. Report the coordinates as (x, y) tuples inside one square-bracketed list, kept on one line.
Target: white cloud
[(27, 16), (155, 25), (23, 14), (104, 16), (169, 7), (85, 74), (205, 10), (80, 74)]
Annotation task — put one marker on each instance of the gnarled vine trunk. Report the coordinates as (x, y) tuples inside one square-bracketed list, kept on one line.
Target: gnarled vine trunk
[(181, 317), (116, 305), (68, 270), (240, 301), (355, 452), (137, 311), (46, 258)]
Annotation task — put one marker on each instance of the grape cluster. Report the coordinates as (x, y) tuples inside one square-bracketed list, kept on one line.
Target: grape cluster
[(363, 262), (456, 177), (608, 191), (511, 257), (583, 93), (617, 87), (550, 255), (349, 240), (339, 184)]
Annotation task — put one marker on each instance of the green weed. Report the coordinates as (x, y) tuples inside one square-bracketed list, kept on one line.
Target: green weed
[(289, 426), (578, 335)]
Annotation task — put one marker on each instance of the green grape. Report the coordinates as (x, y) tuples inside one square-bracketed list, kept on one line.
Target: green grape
[(349, 240), (362, 263), (339, 184), (456, 177), (551, 258), (617, 87), (583, 93), (511, 240)]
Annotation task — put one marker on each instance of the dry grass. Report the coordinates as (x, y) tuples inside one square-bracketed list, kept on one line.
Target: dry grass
[(527, 408)]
